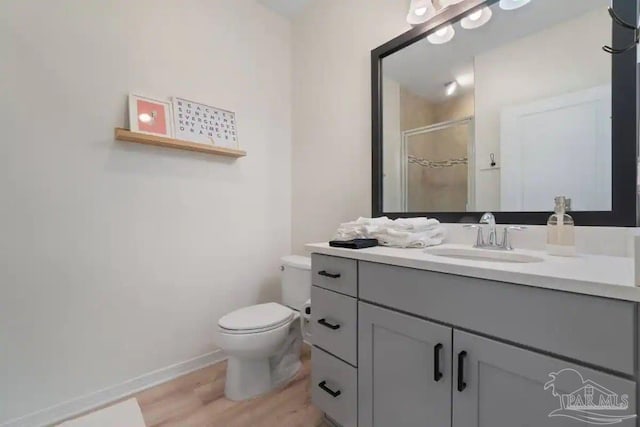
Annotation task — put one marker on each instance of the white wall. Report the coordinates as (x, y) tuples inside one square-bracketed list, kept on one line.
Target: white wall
[(117, 259), (546, 64), (332, 40)]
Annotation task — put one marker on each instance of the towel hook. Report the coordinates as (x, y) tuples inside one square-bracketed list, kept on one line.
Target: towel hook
[(617, 20)]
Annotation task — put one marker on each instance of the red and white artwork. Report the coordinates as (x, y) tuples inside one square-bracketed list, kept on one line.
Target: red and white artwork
[(150, 116)]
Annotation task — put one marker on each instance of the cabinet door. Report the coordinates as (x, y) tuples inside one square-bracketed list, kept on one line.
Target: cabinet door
[(404, 370), (496, 385)]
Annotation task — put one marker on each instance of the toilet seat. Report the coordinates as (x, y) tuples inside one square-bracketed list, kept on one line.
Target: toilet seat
[(256, 319)]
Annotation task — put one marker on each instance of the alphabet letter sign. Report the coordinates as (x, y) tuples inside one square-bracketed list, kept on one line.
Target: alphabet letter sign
[(204, 124)]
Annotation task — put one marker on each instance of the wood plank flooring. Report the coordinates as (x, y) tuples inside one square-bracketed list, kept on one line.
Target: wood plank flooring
[(197, 400)]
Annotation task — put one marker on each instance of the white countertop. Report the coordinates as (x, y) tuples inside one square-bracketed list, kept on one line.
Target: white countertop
[(604, 276)]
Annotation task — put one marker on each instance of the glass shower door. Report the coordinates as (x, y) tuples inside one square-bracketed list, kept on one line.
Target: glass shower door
[(437, 175)]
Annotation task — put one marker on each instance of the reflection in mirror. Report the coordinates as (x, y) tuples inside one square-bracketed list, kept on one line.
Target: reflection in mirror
[(512, 111)]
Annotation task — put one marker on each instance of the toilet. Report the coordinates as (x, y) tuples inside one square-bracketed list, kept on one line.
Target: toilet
[(263, 341)]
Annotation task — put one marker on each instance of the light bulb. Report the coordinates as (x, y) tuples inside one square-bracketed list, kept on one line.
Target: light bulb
[(442, 35), (476, 19), (420, 11), (476, 15)]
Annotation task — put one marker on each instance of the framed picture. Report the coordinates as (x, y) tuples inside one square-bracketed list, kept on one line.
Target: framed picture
[(204, 124), (150, 116)]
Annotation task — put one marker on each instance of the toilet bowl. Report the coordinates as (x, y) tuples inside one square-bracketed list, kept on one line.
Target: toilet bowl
[(263, 342), (252, 338)]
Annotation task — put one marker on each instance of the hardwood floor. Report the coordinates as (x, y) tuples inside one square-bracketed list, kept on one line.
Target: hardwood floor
[(197, 400)]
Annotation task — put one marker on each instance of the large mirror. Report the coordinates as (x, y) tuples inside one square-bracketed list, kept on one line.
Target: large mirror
[(500, 109)]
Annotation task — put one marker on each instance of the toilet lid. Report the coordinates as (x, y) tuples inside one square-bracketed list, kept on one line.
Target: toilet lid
[(261, 316)]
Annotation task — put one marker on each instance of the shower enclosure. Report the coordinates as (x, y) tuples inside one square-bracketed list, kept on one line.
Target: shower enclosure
[(436, 167)]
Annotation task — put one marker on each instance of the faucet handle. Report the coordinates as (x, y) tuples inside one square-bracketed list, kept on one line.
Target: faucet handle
[(506, 241), (479, 237)]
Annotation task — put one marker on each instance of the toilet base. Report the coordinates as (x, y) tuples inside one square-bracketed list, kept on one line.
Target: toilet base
[(248, 379), (262, 361)]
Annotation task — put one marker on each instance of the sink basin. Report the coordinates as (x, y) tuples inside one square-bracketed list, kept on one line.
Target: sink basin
[(483, 255)]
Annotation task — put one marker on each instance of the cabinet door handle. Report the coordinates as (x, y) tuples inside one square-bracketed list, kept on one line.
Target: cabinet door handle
[(437, 375), (329, 275), (326, 324), (323, 386), (461, 384)]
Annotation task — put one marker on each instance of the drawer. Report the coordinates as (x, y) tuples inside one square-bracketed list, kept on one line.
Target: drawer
[(335, 323), (334, 386), (592, 330), (336, 274)]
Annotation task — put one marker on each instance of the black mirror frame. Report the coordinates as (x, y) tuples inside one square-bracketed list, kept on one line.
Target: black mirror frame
[(624, 153)]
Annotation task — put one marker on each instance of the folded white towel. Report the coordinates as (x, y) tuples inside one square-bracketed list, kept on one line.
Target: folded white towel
[(403, 239), (362, 228), (382, 220), (403, 232), (415, 224), (350, 231)]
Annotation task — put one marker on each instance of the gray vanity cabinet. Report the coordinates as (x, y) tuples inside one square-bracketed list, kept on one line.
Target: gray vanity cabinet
[(476, 382), (503, 385), (404, 370), (401, 347)]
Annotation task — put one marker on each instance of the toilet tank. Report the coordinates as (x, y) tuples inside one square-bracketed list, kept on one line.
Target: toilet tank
[(296, 281)]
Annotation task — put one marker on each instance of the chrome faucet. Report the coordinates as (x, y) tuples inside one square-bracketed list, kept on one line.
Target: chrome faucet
[(492, 242), (490, 220)]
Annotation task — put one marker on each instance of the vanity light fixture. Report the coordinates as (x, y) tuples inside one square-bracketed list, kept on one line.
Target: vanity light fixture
[(476, 19), (451, 88), (420, 11), (442, 35), (513, 4)]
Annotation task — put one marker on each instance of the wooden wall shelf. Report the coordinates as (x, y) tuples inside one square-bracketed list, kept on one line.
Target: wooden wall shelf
[(161, 141)]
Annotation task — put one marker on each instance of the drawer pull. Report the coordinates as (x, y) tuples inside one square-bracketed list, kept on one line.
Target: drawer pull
[(323, 386), (437, 375), (329, 275), (326, 324), (461, 384)]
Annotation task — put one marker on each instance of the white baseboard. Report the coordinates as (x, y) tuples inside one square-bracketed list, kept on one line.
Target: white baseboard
[(69, 409)]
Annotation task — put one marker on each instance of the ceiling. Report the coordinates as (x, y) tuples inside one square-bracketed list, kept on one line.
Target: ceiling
[(424, 68), (287, 8)]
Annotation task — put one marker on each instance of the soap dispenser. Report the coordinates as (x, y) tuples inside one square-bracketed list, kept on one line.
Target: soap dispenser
[(561, 240)]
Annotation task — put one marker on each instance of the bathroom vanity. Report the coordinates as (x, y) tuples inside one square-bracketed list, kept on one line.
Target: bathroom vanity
[(403, 337), (481, 109)]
